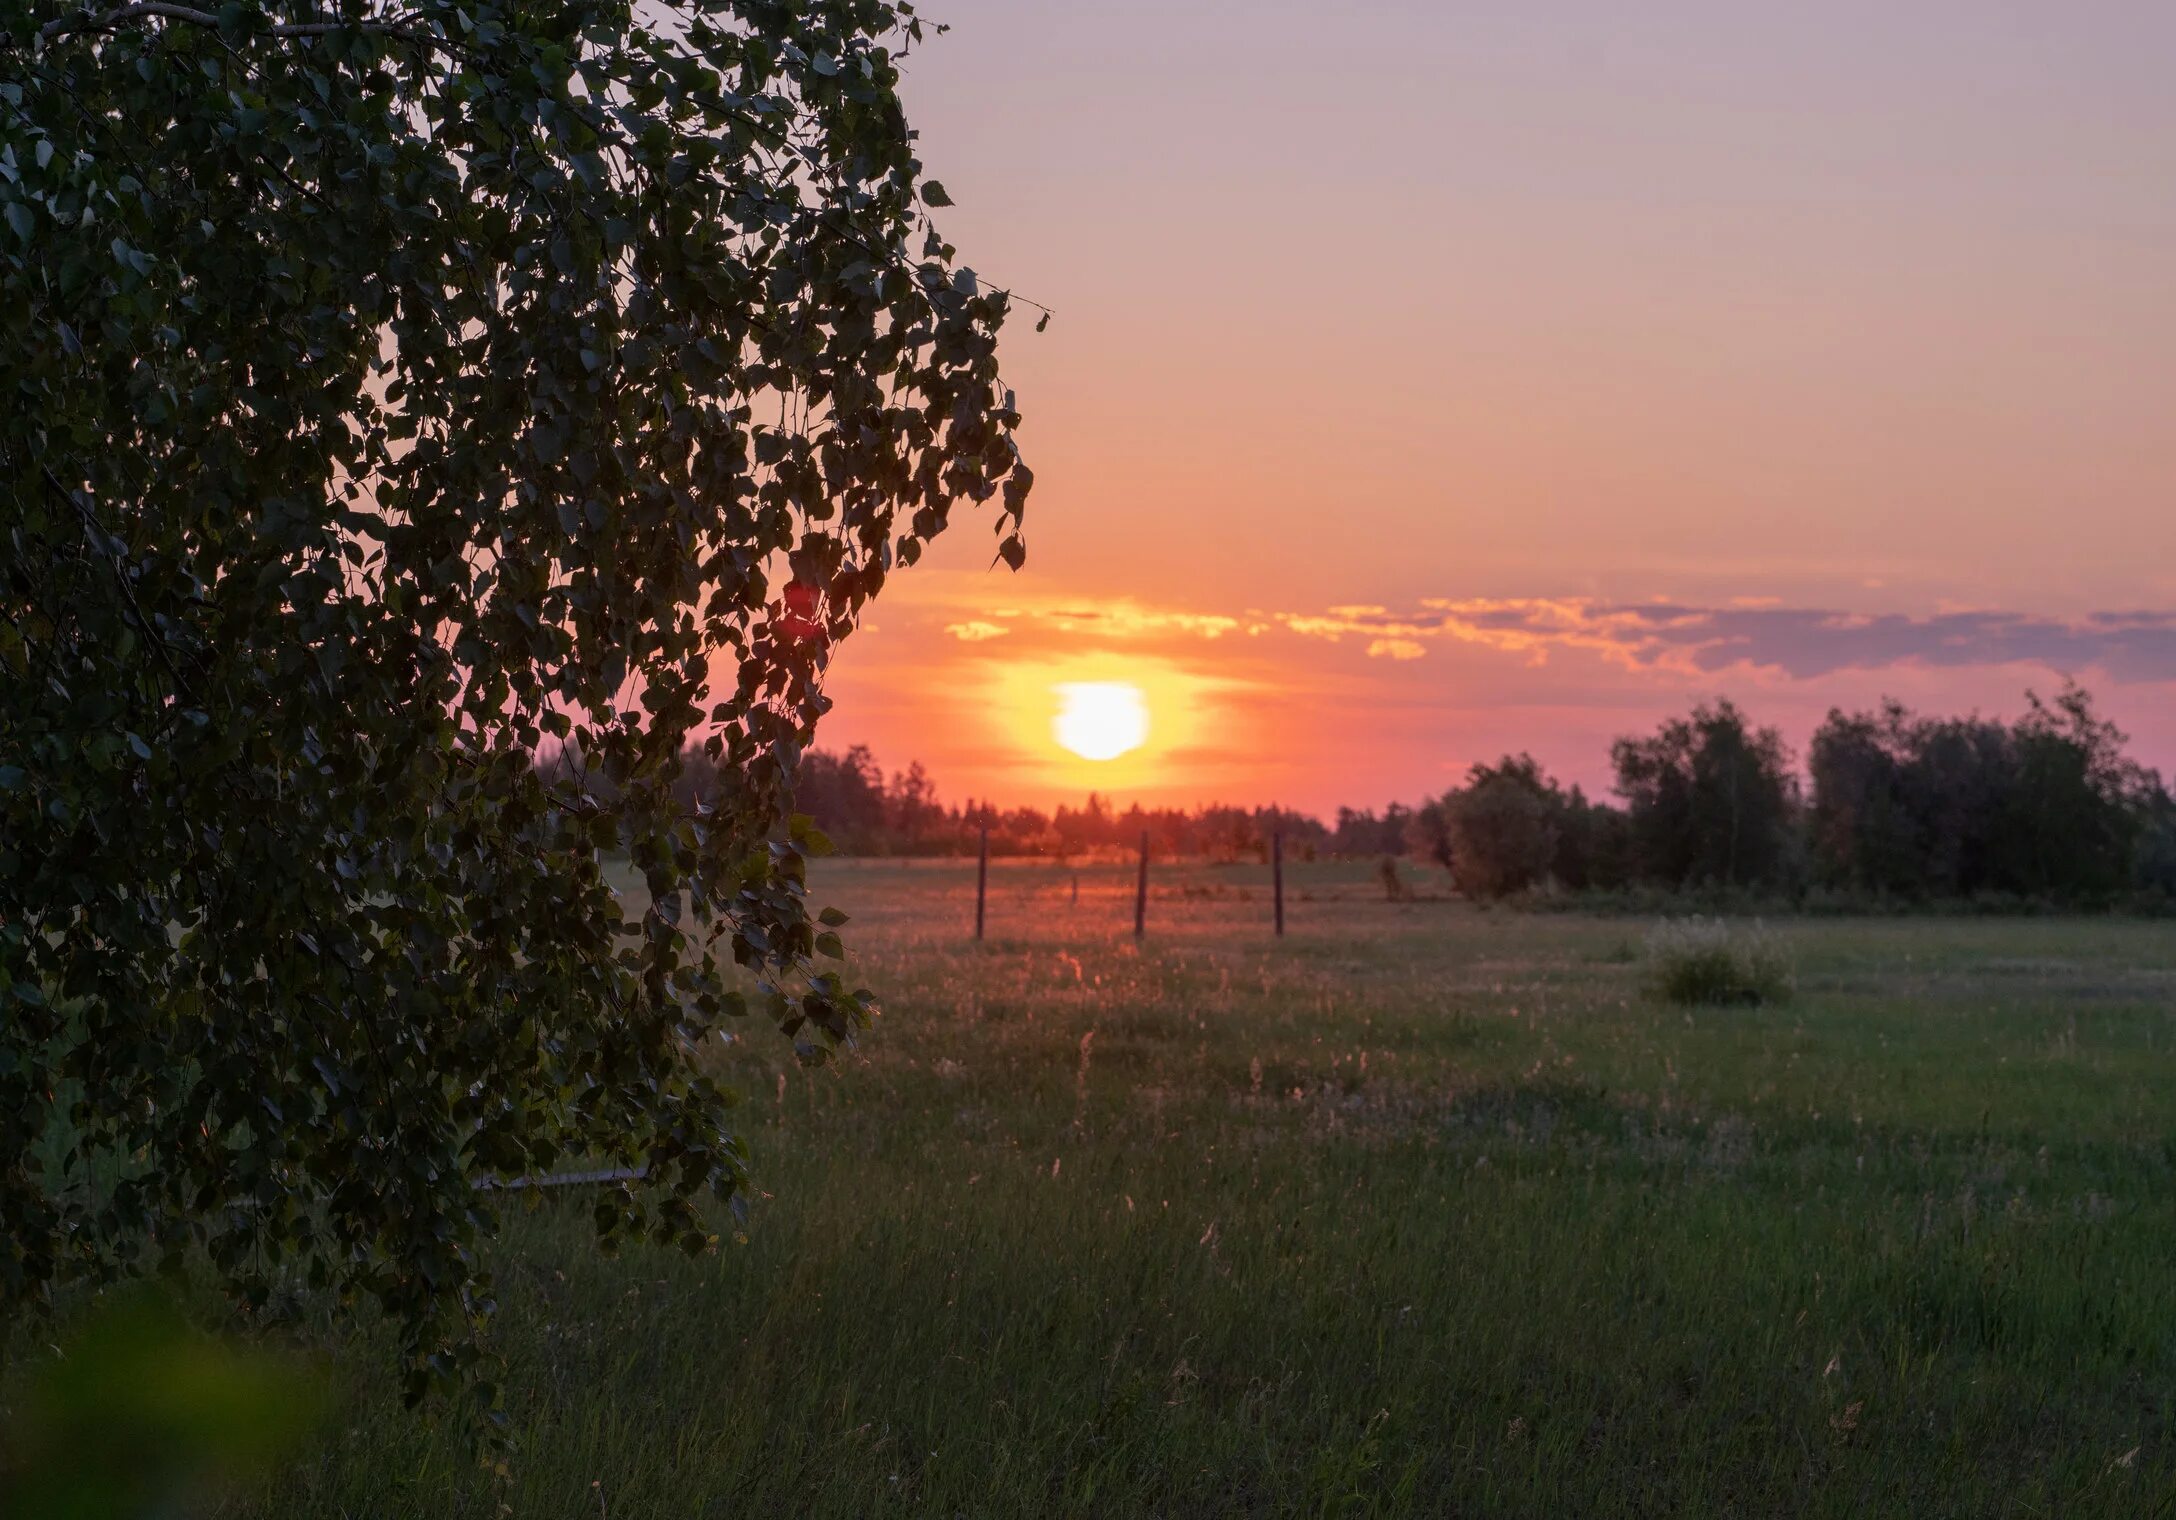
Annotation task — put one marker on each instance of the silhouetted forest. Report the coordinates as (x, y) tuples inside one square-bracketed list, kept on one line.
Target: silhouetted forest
[(863, 811), (1890, 806)]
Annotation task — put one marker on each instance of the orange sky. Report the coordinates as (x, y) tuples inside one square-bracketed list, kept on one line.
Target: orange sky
[(1849, 336)]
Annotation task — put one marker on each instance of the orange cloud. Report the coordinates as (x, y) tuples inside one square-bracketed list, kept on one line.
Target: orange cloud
[(975, 632), (1760, 633), (1396, 649)]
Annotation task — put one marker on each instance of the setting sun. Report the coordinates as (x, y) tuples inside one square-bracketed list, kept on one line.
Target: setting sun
[(1100, 720)]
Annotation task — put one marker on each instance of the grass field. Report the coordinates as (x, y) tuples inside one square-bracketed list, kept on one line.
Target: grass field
[(1423, 1210)]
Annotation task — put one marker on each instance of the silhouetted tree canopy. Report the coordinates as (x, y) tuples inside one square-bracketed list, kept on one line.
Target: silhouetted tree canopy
[(1360, 833), (1502, 827), (1710, 799), (2048, 807), (390, 391), (1510, 828), (1593, 845)]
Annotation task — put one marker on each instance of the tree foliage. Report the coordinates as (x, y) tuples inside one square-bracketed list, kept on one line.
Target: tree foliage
[(863, 811), (1501, 828), (1593, 845), (389, 392), (1712, 800), (2048, 807), (1511, 828), (1361, 832)]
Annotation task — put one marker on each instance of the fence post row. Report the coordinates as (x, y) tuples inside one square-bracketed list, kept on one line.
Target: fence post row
[(982, 881), (1140, 886), (1140, 892)]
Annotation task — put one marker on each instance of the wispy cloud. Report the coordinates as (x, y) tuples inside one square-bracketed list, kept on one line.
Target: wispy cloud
[(1685, 638), (1396, 649), (1117, 621), (975, 632), (1801, 642), (1131, 620)]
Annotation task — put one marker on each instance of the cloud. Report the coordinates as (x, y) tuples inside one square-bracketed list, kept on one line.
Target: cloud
[(1126, 619), (1396, 649), (1800, 642), (1688, 639), (1369, 622), (1118, 620), (974, 633)]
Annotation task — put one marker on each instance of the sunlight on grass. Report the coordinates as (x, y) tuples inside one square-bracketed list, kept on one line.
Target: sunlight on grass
[(1421, 1211)]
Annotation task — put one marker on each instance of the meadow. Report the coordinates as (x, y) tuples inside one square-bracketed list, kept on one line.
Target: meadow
[(1422, 1210)]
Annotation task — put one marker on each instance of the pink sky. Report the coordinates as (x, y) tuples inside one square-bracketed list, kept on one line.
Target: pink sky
[(1513, 321)]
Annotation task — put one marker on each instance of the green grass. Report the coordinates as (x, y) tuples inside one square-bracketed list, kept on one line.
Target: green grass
[(1421, 1211)]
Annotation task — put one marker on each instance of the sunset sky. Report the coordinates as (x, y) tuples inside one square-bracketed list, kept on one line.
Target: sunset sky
[(1430, 380)]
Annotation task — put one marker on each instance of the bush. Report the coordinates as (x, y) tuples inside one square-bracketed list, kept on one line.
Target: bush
[(1708, 961), (1395, 888), (1503, 831)]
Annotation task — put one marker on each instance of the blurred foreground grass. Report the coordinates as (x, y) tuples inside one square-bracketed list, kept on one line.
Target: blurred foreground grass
[(137, 1415)]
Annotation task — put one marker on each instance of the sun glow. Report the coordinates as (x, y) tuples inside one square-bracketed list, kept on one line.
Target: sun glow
[(1100, 720), (1109, 721)]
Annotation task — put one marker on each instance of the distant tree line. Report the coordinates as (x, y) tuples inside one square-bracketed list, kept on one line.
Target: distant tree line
[(1891, 806), (863, 811)]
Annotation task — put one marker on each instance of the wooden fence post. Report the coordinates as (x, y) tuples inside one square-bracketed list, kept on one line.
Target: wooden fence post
[(1276, 875), (1140, 892), (982, 880)]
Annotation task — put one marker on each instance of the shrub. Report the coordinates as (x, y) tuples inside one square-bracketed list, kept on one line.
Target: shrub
[(1498, 834), (1395, 888), (1712, 962), (1503, 832)]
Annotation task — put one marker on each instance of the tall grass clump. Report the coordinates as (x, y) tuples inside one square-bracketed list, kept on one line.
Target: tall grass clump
[(1712, 962)]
